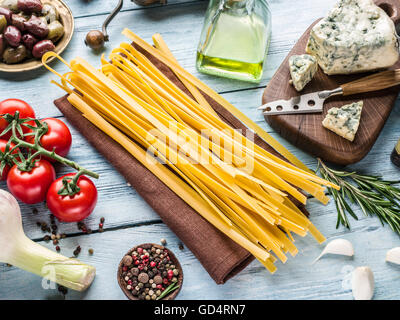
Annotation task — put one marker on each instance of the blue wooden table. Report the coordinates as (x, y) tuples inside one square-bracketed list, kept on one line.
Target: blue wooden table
[(130, 221)]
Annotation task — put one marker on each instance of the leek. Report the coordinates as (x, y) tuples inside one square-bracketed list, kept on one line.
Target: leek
[(18, 250)]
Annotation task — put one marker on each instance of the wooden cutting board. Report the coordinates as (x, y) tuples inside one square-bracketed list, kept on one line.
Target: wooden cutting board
[(306, 131)]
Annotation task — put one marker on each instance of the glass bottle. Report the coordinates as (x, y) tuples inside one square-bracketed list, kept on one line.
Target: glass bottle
[(396, 154), (235, 39)]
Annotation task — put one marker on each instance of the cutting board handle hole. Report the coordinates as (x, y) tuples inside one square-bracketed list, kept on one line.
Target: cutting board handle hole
[(296, 107), (279, 108), (311, 103), (389, 9)]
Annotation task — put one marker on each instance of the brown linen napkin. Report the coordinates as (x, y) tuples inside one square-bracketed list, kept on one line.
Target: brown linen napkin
[(219, 255)]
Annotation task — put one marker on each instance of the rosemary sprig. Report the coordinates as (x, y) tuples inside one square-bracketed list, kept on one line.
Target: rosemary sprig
[(372, 194)]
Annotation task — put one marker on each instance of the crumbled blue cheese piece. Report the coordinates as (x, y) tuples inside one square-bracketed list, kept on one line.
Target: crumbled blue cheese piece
[(344, 121), (356, 36), (302, 70)]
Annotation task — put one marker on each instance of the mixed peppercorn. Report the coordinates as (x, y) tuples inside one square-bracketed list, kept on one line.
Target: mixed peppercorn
[(148, 271)]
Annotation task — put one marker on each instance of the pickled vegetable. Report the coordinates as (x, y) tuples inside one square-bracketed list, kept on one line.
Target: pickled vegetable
[(6, 13), (13, 36), (37, 27), (30, 6), (40, 48), (56, 31), (29, 41), (50, 13), (10, 4), (15, 55), (28, 28), (18, 21), (3, 23)]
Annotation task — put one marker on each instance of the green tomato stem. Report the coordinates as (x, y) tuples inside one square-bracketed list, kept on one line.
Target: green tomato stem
[(40, 151)]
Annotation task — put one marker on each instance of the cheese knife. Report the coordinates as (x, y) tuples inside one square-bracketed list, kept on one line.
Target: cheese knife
[(314, 102)]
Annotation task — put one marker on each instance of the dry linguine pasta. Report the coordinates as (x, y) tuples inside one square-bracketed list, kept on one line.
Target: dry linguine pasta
[(239, 187)]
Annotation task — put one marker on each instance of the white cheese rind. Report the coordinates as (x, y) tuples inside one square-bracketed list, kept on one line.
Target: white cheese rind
[(302, 70), (356, 36), (344, 121)]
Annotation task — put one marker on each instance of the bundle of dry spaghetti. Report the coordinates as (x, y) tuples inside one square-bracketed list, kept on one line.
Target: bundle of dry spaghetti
[(237, 186)]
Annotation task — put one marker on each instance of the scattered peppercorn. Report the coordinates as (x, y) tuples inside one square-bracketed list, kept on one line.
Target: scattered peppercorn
[(77, 251), (63, 290), (35, 211), (91, 251), (58, 248), (102, 219), (181, 247), (163, 241), (46, 238)]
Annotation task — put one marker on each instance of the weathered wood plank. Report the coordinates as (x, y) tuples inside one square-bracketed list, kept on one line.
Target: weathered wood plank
[(297, 279), (123, 208)]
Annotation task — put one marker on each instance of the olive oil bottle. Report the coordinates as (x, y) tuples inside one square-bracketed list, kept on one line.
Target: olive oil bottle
[(235, 39), (395, 157)]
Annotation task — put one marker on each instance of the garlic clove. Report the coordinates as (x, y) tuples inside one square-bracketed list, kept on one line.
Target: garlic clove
[(362, 283), (393, 255), (338, 246)]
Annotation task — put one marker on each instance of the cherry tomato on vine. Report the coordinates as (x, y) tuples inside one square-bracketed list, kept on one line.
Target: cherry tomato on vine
[(73, 208), (31, 187), (6, 169), (57, 138), (11, 106)]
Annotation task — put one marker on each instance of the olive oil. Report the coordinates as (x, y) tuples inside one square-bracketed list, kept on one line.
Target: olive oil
[(230, 68), (235, 39)]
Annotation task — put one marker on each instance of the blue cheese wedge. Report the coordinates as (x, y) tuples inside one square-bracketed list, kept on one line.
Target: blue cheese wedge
[(344, 121), (302, 70), (356, 36)]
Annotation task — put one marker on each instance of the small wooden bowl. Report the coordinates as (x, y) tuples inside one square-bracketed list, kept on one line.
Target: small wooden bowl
[(67, 20), (174, 260)]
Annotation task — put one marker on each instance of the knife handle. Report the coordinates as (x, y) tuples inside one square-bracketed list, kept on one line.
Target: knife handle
[(375, 82)]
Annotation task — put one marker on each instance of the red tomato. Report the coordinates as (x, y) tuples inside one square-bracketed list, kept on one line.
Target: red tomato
[(31, 187), (58, 138), (11, 106), (72, 208), (3, 144)]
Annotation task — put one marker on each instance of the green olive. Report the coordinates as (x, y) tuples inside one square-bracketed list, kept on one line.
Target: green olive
[(15, 55), (3, 23), (56, 31), (10, 4), (50, 12)]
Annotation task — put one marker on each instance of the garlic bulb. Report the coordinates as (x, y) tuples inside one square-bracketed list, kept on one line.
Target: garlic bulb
[(393, 255), (338, 246), (362, 283)]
